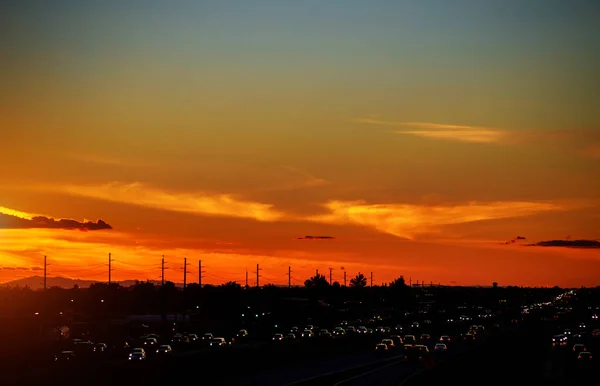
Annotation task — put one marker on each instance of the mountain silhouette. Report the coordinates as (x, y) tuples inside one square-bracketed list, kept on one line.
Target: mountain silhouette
[(37, 282)]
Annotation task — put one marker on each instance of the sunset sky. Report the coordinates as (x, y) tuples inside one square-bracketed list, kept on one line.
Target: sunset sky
[(439, 140)]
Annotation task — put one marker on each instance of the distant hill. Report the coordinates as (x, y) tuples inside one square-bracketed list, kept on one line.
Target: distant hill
[(37, 282)]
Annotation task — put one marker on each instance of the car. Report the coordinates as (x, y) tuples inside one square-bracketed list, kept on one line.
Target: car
[(164, 349), (207, 337), (350, 330), (150, 342), (193, 337), (445, 338), (584, 356), (325, 334), (409, 340), (560, 338), (596, 332), (397, 340), (389, 343), (339, 331), (440, 347), (425, 337), (381, 348), (416, 352), (577, 348), (362, 330), (100, 347), (307, 334), (65, 356), (138, 354), (218, 342), (290, 336), (277, 337)]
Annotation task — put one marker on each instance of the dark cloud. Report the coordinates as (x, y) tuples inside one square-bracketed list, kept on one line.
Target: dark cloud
[(567, 244), (13, 222), (515, 240), (315, 238)]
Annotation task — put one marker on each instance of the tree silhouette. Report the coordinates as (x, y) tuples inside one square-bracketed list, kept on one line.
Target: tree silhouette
[(358, 281), (231, 285), (317, 281), (398, 283)]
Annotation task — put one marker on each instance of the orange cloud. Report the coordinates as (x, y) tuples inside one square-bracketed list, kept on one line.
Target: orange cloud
[(444, 131), (194, 203), (12, 219), (16, 213), (409, 221)]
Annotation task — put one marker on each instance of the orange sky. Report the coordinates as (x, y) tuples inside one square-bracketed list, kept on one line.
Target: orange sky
[(420, 147)]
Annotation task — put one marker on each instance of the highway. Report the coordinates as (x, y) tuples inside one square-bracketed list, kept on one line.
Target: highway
[(360, 369)]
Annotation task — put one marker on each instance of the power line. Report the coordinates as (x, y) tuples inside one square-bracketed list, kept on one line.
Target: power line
[(162, 271), (257, 275), (184, 272), (200, 272), (109, 268), (45, 273)]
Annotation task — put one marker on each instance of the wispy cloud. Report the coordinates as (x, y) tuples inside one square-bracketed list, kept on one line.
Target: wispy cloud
[(196, 203), (106, 160), (462, 133), (409, 221), (12, 219), (307, 180), (315, 238)]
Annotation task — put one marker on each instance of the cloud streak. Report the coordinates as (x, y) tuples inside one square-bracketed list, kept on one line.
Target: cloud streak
[(315, 238), (410, 221), (461, 133), (193, 203), (11, 219), (587, 244)]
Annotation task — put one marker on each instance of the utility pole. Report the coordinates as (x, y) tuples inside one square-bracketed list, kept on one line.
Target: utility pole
[(45, 273), (289, 277), (109, 267), (246, 278), (162, 271), (330, 276), (410, 282), (344, 278), (200, 272), (257, 275), (317, 274), (184, 272), (371, 279)]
